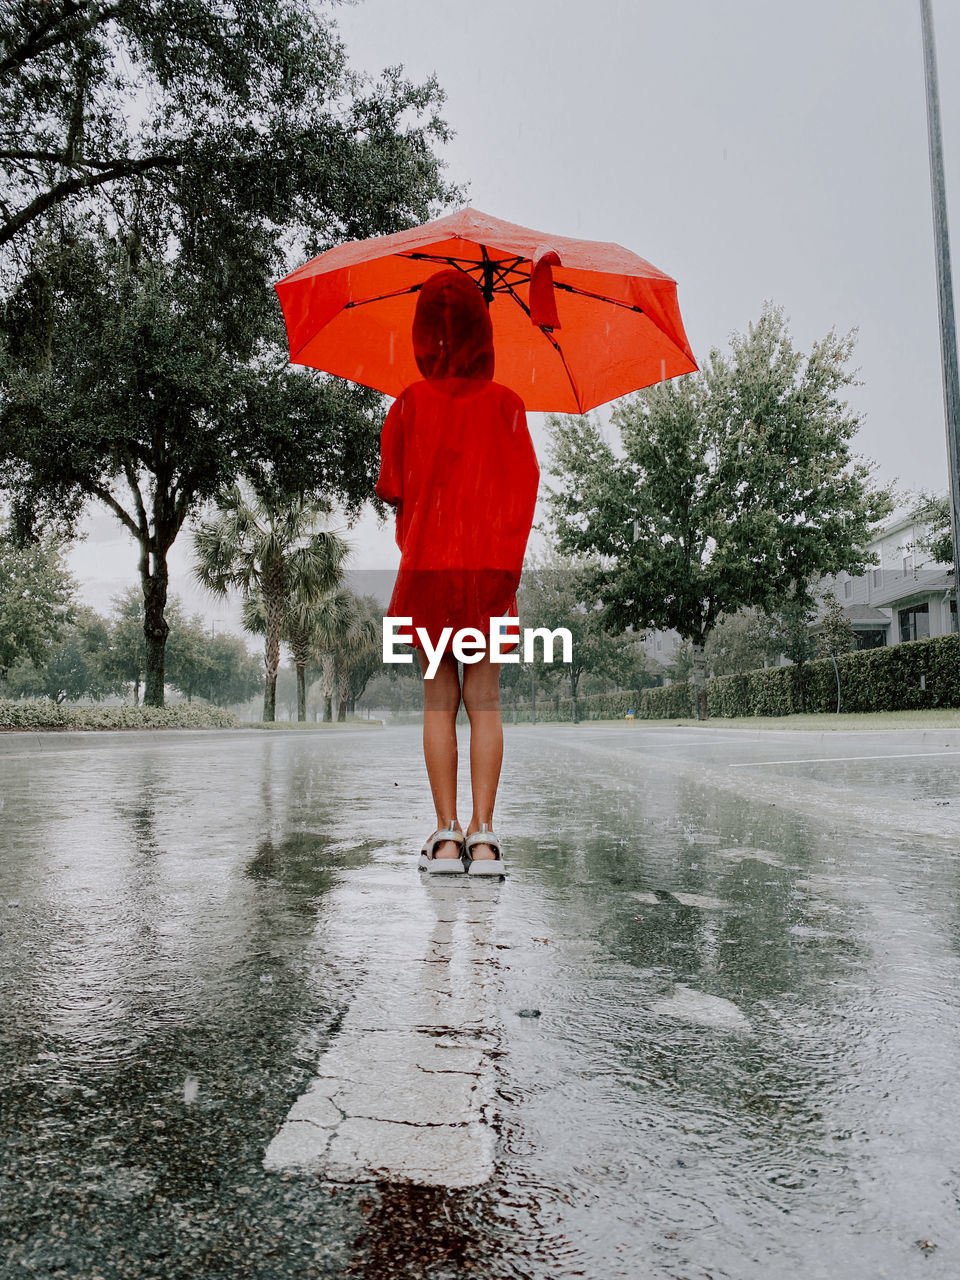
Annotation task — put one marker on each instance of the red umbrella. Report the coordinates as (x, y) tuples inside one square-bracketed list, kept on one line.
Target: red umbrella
[(575, 322)]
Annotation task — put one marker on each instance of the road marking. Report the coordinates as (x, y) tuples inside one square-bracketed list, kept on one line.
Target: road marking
[(907, 755), (404, 1093)]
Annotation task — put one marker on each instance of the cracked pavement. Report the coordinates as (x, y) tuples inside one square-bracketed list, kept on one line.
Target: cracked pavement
[(404, 1092)]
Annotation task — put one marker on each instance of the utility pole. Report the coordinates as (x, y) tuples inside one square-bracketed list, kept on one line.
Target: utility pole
[(948, 331)]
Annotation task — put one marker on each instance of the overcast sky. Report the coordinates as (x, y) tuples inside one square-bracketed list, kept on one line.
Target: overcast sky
[(752, 150)]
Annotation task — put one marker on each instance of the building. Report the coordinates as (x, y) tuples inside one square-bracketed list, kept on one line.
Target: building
[(904, 596), (660, 646)]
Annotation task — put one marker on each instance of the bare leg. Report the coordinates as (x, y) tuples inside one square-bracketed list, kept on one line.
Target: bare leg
[(481, 697), (441, 701)]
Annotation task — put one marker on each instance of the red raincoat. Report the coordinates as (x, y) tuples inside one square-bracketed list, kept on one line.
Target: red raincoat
[(457, 462)]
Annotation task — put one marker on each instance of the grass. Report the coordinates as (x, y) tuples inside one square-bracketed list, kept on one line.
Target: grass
[(947, 718)]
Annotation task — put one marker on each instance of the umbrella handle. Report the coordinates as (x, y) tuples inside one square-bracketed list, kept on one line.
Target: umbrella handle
[(543, 302)]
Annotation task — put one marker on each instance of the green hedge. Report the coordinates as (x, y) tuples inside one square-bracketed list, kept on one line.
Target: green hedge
[(870, 680), (41, 714), (671, 702), (886, 679), (554, 710)]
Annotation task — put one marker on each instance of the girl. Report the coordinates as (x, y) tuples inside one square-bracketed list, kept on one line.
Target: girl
[(458, 464)]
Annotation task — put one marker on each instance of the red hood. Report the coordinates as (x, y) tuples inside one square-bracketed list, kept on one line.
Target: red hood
[(452, 333)]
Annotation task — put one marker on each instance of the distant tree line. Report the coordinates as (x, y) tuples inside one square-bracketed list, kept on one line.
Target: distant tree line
[(52, 646), (161, 164)]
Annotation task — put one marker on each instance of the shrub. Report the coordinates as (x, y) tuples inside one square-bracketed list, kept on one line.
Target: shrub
[(672, 702), (610, 706), (41, 714), (594, 706), (904, 677)]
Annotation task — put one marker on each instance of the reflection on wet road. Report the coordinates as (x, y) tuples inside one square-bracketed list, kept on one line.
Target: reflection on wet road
[(708, 1027)]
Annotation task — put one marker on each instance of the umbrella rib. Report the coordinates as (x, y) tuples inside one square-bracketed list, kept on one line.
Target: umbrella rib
[(506, 265), (382, 297), (598, 297), (438, 257), (566, 368), (553, 342), (357, 302), (506, 268), (502, 267)]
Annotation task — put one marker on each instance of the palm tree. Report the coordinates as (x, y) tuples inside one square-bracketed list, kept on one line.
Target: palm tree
[(345, 637), (332, 637), (361, 655), (306, 626), (273, 550)]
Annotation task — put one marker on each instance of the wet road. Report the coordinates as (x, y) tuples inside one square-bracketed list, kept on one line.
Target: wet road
[(707, 1028)]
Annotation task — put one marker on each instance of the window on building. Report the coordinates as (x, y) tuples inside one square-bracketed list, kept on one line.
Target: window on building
[(908, 563), (877, 577), (915, 622), (870, 639), (848, 589), (953, 615)]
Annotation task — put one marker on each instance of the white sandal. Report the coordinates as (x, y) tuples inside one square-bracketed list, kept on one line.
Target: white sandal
[(485, 866), (430, 862)]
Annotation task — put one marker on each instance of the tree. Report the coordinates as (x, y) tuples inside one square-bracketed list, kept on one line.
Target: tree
[(126, 660), (743, 642), (76, 666), (218, 668), (153, 387), (272, 549), (232, 674), (347, 646), (358, 653), (834, 633), (791, 627), (398, 687), (680, 666), (305, 624), (933, 511), (556, 592), (252, 114), (140, 342), (189, 658), (36, 600), (313, 629), (738, 486), (286, 698)]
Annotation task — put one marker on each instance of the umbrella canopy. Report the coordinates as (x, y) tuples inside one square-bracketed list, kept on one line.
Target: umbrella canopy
[(575, 322)]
